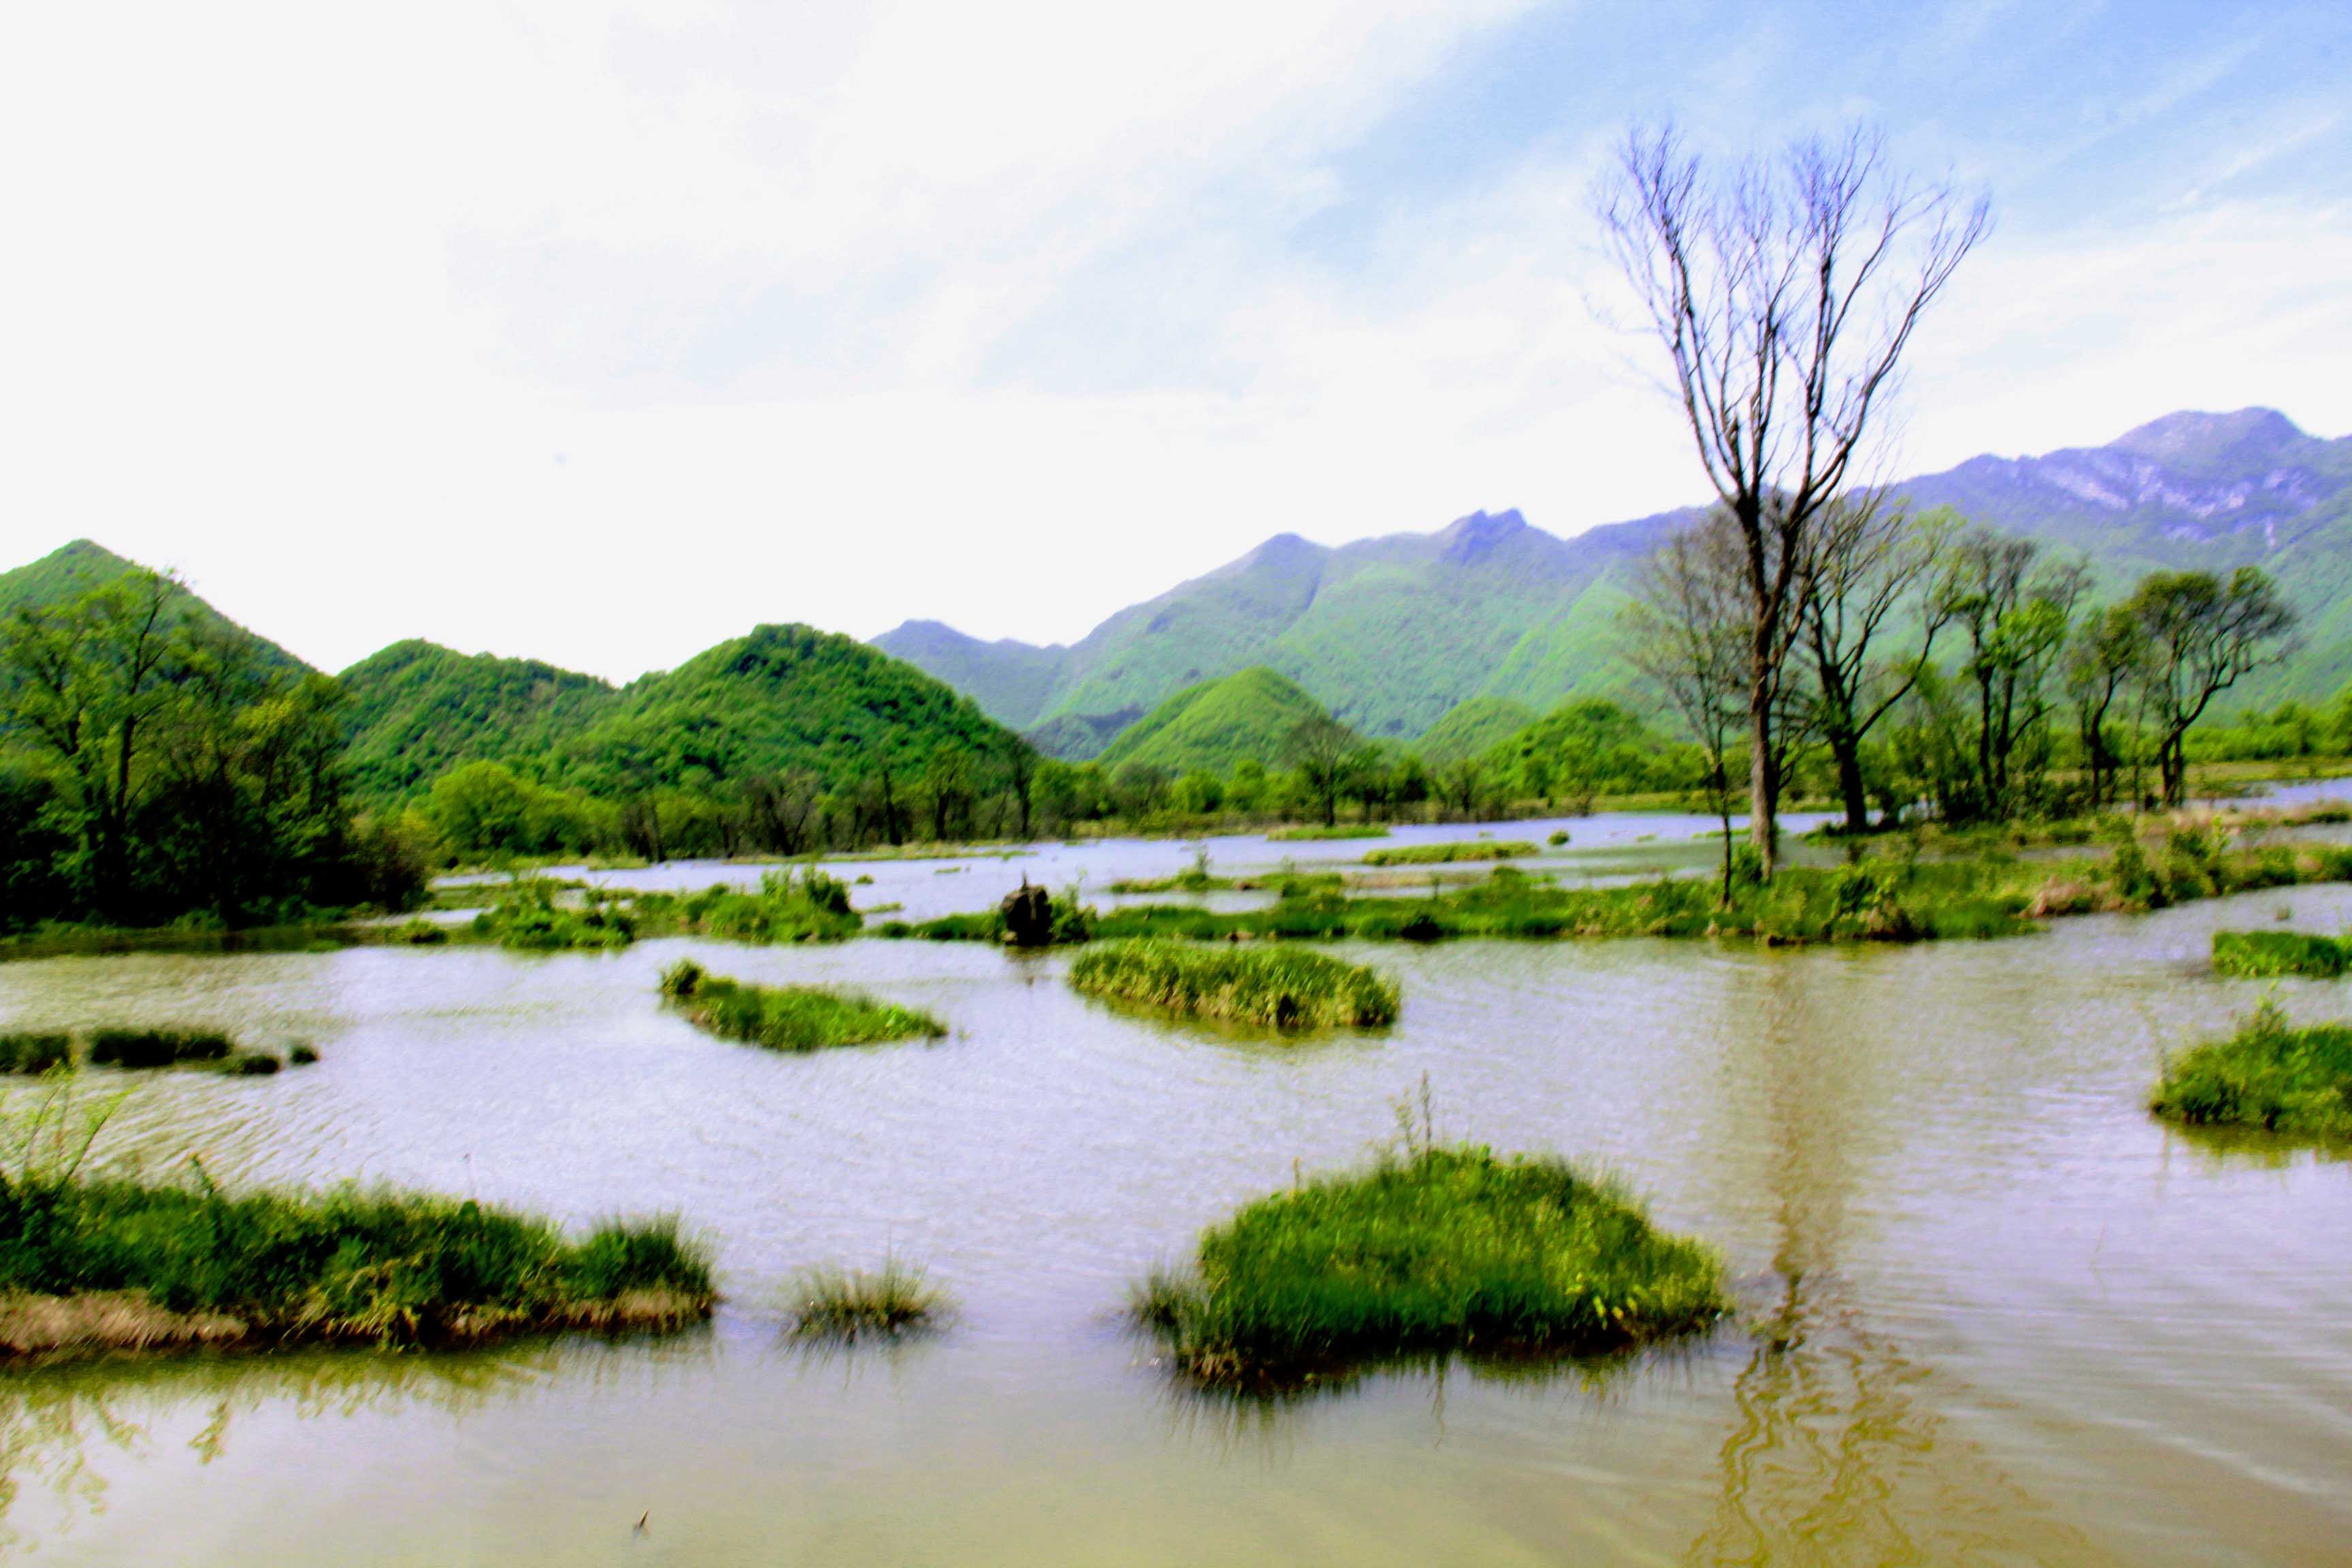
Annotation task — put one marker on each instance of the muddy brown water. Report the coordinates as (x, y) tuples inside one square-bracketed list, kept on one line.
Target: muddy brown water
[(1992, 1311)]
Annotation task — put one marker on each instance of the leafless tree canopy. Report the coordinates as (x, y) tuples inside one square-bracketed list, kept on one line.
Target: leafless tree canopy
[(1785, 291)]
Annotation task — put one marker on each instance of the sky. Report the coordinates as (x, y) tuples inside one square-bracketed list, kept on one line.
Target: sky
[(598, 333)]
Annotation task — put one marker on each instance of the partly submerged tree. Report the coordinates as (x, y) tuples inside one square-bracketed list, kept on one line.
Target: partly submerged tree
[(2198, 634), (1785, 293)]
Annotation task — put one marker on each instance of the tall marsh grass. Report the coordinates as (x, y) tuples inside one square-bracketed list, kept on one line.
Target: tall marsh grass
[(1282, 986), (834, 1303), (2272, 954), (2268, 1074)]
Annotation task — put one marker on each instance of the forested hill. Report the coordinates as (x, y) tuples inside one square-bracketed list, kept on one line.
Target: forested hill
[(1250, 715), (73, 569), (415, 710), (1391, 634)]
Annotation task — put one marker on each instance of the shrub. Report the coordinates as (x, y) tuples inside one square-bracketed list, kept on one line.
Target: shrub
[(1279, 986), (1445, 1249), (2268, 1074), (301, 1055)]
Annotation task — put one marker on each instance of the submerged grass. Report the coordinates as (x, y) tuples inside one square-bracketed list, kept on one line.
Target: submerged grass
[(791, 1017), (1286, 987), (121, 1265), (2268, 1075), (834, 1303), (2272, 955), (1442, 1249), (1448, 854)]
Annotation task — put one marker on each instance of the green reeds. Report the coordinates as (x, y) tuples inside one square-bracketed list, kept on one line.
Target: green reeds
[(834, 1303), (528, 918), (2271, 954), (1449, 854), (791, 1017), (2268, 1075), (101, 1265), (1436, 1250), (809, 907), (1282, 986)]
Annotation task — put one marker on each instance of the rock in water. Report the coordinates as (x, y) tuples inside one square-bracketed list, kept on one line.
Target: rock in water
[(1028, 916)]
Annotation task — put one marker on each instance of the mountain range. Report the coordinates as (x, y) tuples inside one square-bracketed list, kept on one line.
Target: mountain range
[(1392, 634)]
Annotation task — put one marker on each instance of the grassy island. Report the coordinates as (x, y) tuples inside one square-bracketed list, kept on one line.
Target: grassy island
[(1443, 1249), (1286, 987), (791, 1017), (116, 1266), (2271, 954), (1306, 832), (529, 918), (2268, 1075), (1452, 853)]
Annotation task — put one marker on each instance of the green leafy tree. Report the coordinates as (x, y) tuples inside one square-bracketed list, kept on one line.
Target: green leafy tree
[(2198, 636)]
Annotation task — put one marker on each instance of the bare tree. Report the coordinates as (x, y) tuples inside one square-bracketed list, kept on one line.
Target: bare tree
[(1869, 562), (1688, 634), (2200, 635), (1785, 293)]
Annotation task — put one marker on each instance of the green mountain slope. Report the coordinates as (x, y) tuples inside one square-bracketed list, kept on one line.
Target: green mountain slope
[(1471, 727), (415, 710), (78, 567), (1391, 634), (1249, 714)]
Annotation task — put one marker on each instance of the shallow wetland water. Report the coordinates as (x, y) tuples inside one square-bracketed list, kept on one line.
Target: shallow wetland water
[(1993, 1312)]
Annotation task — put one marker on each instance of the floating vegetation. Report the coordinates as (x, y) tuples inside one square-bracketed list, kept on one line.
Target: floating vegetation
[(1435, 1250), (2268, 1075), (2272, 954), (791, 1017), (851, 1304), (1286, 987)]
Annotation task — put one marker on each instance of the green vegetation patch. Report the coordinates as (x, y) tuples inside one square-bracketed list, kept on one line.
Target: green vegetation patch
[(791, 1017), (2268, 1075), (528, 918), (786, 907), (1447, 1249), (31, 1053), (849, 1304), (1282, 986), (157, 1048), (118, 1264), (1340, 830), (2271, 954), (1447, 854)]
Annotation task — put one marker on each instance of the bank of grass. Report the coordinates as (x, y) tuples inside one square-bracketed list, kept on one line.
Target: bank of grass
[(33, 1054), (1435, 1250), (1073, 922), (850, 1304), (30, 1053), (2274, 955), (2269, 1074), (786, 907), (111, 1265), (1286, 987), (1310, 832), (1449, 853), (796, 1019)]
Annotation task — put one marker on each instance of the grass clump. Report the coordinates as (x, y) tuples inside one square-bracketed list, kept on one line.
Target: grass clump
[(32, 1053), (141, 1048), (791, 1017), (1449, 854), (833, 1303), (786, 907), (1444, 1249), (2268, 1074), (1286, 987), (2271, 954), (528, 918), (122, 1264)]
